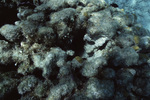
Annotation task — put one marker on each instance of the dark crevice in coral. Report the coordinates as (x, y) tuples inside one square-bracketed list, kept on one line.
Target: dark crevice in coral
[(79, 78), (21, 38), (140, 67), (8, 67), (143, 51), (53, 77), (8, 15), (118, 32), (130, 25), (115, 90), (111, 65), (91, 54), (103, 46), (13, 74), (38, 73), (3, 38), (63, 43), (47, 18), (10, 89), (91, 42), (13, 95), (69, 58), (78, 43), (99, 76), (114, 5), (75, 43), (81, 4)]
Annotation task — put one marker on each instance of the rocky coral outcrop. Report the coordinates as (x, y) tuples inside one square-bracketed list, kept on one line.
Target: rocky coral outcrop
[(73, 50)]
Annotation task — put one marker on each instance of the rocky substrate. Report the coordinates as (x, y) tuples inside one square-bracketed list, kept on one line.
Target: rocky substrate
[(72, 50)]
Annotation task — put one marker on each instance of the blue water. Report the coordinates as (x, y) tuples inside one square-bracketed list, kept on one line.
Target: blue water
[(140, 7)]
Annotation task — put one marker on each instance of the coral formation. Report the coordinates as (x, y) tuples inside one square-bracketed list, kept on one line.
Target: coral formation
[(73, 50)]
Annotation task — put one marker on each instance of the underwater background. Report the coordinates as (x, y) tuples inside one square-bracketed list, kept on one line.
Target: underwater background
[(139, 7)]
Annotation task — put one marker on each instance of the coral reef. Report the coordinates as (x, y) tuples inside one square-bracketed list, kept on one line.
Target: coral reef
[(73, 50)]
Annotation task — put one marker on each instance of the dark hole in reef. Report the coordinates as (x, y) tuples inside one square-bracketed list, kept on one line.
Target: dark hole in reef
[(78, 78), (8, 15), (11, 74), (130, 25), (81, 4), (114, 5), (3, 38), (53, 77), (8, 67), (13, 95), (69, 58), (21, 38), (64, 43), (111, 65), (78, 43), (38, 73)]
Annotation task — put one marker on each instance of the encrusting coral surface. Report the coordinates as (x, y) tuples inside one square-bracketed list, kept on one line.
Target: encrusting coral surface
[(72, 50)]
